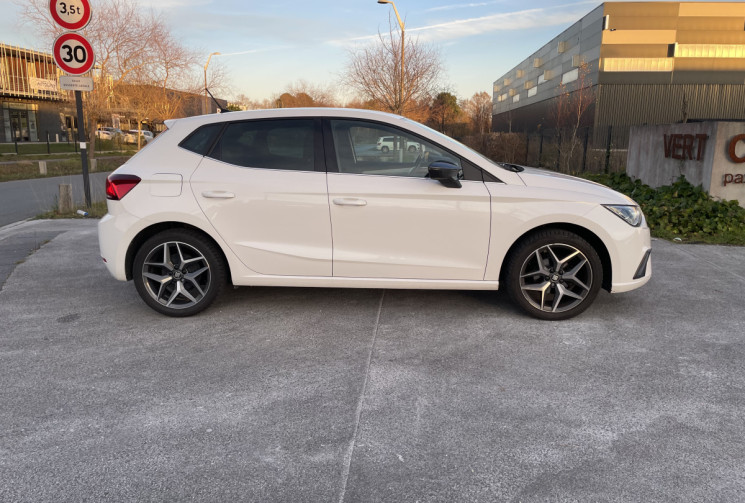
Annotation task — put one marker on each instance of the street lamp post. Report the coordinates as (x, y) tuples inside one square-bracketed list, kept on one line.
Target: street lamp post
[(401, 88), (206, 103)]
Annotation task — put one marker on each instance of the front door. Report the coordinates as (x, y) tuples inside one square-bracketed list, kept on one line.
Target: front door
[(390, 221), (19, 125)]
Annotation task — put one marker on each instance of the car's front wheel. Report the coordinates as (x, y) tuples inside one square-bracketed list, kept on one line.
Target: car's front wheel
[(384, 149), (178, 272), (554, 274)]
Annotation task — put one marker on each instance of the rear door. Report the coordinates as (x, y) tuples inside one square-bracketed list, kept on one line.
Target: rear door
[(263, 188)]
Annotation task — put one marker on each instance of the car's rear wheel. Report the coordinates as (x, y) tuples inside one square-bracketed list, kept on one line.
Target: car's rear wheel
[(554, 275), (179, 272)]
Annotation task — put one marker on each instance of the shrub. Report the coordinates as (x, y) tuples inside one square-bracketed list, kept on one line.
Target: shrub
[(682, 211)]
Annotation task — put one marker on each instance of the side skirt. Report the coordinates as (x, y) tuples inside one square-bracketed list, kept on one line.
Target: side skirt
[(337, 282)]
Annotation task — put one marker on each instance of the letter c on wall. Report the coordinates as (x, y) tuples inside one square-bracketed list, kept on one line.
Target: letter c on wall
[(732, 145)]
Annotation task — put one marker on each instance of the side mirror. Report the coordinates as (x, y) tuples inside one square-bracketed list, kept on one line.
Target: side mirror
[(446, 173)]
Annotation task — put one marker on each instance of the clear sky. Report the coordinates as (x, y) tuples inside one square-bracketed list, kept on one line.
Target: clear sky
[(269, 44)]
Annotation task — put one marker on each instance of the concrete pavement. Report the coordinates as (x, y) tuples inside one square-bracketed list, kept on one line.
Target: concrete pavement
[(289, 394)]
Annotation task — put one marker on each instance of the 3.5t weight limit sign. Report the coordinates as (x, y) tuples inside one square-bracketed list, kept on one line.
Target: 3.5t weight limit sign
[(73, 53), (71, 14)]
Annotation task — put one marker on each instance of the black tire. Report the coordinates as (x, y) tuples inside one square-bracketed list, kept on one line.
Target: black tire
[(412, 148), (179, 272), (384, 149), (563, 283)]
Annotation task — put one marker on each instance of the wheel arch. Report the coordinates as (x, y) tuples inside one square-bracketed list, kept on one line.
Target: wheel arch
[(582, 232), (154, 229)]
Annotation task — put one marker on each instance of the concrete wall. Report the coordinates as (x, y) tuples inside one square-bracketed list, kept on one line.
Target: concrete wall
[(700, 151), (728, 176)]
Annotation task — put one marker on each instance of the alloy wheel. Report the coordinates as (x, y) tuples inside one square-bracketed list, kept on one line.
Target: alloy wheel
[(556, 278), (176, 275)]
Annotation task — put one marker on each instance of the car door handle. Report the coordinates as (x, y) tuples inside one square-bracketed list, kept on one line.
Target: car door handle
[(349, 201), (218, 194)]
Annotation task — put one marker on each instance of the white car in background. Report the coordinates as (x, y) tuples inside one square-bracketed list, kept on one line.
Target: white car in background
[(108, 133), (131, 136), (280, 198), (387, 143)]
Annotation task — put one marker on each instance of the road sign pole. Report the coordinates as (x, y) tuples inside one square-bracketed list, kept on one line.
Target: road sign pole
[(83, 148), (73, 54)]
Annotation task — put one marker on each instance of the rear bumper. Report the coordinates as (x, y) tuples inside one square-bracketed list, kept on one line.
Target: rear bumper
[(113, 240)]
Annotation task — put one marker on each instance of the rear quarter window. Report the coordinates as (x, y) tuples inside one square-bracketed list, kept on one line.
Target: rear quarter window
[(202, 139)]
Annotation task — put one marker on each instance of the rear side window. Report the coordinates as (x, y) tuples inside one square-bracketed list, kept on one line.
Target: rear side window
[(269, 144), (202, 138)]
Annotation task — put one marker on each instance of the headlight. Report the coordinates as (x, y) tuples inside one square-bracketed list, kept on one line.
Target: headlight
[(630, 214)]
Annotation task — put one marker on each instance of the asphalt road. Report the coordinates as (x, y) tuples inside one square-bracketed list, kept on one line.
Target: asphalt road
[(367, 395), (23, 199)]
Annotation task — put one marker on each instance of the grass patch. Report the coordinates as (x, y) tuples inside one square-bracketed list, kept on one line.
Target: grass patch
[(41, 148), (97, 210), (38, 157), (71, 165), (25, 148), (681, 211)]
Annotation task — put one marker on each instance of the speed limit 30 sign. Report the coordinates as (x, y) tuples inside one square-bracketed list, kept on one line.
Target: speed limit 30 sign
[(73, 53), (71, 14)]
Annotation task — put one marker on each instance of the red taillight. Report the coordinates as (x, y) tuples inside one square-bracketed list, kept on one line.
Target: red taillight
[(117, 186)]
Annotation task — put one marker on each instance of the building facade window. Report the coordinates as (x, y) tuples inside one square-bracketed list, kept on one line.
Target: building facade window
[(19, 122), (710, 51), (570, 76), (636, 65)]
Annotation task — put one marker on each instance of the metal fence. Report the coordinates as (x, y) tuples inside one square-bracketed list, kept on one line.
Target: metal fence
[(586, 150)]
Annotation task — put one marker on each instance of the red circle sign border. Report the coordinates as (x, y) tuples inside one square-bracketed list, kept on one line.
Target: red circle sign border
[(79, 38), (71, 26)]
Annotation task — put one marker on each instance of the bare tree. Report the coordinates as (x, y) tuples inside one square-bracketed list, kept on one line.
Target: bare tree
[(245, 103), (133, 47), (159, 89), (479, 111), (374, 72), (570, 112)]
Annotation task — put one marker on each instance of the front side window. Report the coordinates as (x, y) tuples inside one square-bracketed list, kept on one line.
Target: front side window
[(375, 149), (268, 144)]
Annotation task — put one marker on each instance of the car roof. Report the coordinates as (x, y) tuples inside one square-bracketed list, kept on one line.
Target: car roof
[(288, 112), (184, 126)]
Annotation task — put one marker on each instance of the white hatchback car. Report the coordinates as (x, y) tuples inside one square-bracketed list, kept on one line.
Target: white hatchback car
[(283, 198)]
